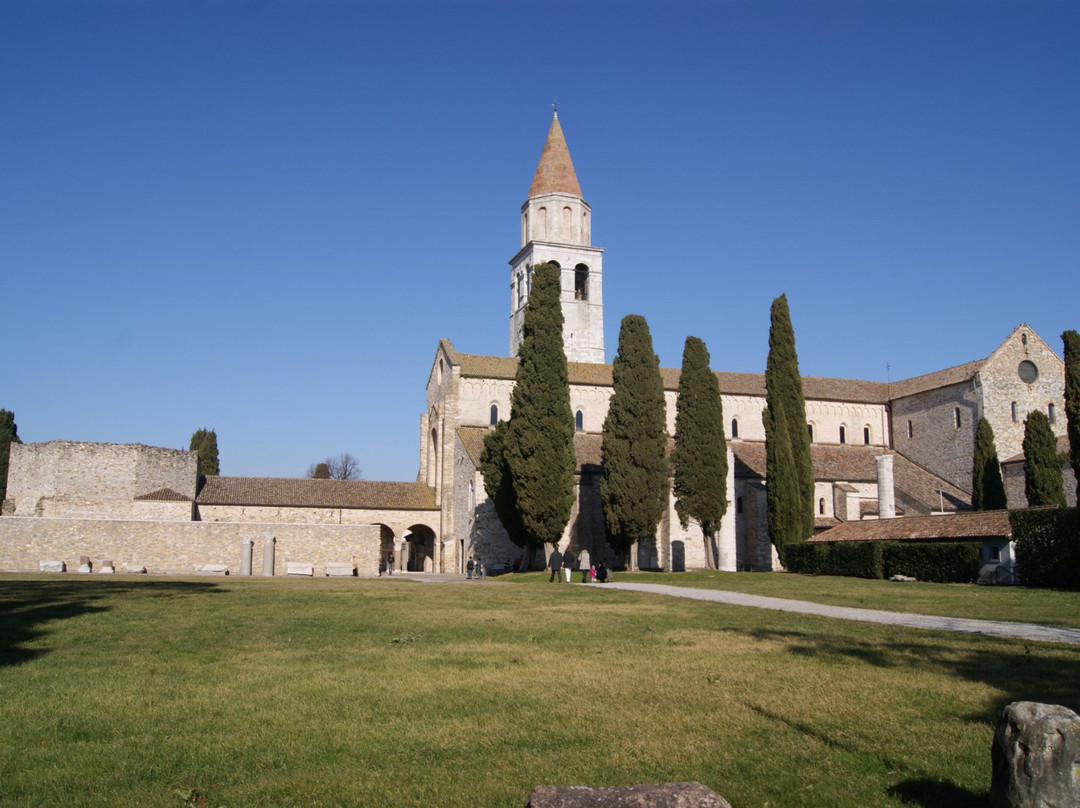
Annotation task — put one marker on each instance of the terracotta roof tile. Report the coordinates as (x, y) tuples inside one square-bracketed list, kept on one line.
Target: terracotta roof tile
[(586, 447), (294, 492), (555, 172), (163, 495), (967, 526), (933, 381)]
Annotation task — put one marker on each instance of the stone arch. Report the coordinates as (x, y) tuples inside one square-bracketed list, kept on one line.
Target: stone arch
[(419, 548), (581, 282)]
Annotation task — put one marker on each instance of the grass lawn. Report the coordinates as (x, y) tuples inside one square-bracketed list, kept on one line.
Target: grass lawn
[(1017, 604), (134, 691)]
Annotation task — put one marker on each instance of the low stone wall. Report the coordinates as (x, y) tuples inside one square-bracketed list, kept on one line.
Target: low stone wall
[(182, 547)]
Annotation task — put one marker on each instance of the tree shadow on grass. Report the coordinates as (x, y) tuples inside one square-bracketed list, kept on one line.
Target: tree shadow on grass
[(937, 794), (1019, 669), (28, 607)]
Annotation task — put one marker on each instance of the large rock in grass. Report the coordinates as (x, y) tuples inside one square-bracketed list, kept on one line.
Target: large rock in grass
[(1036, 757), (665, 795)]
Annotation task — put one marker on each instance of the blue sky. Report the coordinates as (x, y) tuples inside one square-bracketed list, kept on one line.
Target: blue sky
[(261, 217)]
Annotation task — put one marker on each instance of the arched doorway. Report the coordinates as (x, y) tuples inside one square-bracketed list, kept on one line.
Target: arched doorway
[(387, 549), (420, 540)]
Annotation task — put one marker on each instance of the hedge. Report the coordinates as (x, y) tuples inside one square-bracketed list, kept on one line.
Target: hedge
[(1047, 546), (939, 562)]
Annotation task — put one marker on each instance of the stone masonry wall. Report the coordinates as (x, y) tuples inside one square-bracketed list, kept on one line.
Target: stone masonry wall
[(936, 442), (85, 480), (181, 547)]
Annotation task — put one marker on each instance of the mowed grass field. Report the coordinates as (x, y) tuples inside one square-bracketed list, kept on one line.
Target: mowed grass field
[(227, 692)]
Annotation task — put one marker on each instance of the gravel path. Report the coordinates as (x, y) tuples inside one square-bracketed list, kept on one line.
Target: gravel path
[(1027, 631)]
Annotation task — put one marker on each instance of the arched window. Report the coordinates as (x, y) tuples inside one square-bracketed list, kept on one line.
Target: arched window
[(579, 421), (810, 429), (1050, 412), (843, 434), (494, 414), (1023, 338), (821, 506), (581, 282), (734, 427), (1012, 408), (541, 216), (866, 435), (956, 416), (910, 431), (738, 504)]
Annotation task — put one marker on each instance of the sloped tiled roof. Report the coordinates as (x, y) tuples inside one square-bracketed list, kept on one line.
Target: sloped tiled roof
[(934, 381), (555, 172), (733, 384), (586, 447), (291, 492), (163, 495), (965, 526), (858, 464)]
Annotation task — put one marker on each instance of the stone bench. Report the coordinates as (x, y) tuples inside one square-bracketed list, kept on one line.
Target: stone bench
[(298, 568), (214, 569), (52, 566), (135, 569), (339, 570)]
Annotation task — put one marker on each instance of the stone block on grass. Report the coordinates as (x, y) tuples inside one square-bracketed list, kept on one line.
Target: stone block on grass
[(339, 570), (298, 568), (52, 566), (214, 569), (663, 795), (1036, 757)]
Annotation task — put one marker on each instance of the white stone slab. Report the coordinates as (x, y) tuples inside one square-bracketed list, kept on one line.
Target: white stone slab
[(339, 570), (214, 569), (107, 570), (84, 568), (52, 566), (297, 568), (135, 569)]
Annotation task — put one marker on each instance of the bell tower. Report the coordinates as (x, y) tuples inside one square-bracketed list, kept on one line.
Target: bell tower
[(556, 227)]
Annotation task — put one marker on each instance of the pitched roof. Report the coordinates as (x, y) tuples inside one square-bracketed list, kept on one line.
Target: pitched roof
[(586, 447), (1062, 447), (914, 485), (163, 495), (555, 173), (966, 526), (292, 492), (733, 384), (936, 380)]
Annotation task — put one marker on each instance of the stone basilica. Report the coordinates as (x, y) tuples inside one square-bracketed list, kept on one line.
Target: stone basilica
[(879, 449)]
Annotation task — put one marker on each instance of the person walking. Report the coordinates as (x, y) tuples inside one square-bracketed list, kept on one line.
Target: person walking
[(584, 565), (568, 564), (555, 561), (469, 569)]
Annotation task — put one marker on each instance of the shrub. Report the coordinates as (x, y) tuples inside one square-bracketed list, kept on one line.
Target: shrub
[(938, 562), (1047, 546), (858, 559), (807, 558)]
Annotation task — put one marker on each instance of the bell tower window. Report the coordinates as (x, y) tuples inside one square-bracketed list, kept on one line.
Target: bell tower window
[(581, 282)]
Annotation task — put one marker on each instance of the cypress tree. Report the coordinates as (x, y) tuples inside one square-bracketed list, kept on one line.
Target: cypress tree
[(784, 391), (1072, 402), (634, 482), (204, 443), (9, 434), (699, 458), (1042, 465), (781, 486), (987, 488), (532, 485)]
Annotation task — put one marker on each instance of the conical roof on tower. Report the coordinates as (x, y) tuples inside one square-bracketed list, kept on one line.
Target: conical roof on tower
[(555, 173)]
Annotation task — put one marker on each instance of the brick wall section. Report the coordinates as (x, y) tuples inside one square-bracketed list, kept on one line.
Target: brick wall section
[(181, 547), (82, 480)]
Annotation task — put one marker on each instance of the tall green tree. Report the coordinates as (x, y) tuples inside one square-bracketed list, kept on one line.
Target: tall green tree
[(634, 480), (1072, 402), (789, 433), (9, 434), (1042, 465), (204, 442), (987, 488), (699, 459), (781, 487), (529, 464)]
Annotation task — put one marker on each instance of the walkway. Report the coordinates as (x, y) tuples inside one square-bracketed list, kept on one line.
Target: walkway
[(1026, 631)]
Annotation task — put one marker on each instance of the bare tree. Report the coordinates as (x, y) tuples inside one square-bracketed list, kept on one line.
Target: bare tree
[(340, 467)]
